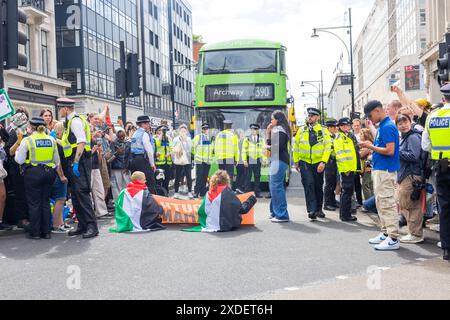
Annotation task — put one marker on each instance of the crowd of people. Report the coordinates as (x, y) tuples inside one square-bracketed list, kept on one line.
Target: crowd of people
[(393, 162)]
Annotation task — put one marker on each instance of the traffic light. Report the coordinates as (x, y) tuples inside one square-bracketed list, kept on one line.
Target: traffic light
[(12, 36), (120, 84), (133, 75), (444, 61)]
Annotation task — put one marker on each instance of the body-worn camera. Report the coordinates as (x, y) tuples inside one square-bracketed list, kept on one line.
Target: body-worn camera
[(418, 187)]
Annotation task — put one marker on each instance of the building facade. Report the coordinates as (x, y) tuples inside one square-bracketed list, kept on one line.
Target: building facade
[(37, 86), (387, 52), (89, 54), (339, 96), (438, 16)]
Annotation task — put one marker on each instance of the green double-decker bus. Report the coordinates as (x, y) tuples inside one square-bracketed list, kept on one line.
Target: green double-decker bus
[(243, 81)]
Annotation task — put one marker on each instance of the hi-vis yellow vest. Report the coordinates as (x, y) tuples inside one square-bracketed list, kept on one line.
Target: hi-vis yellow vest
[(69, 146), (41, 149), (227, 146), (163, 148), (346, 157), (202, 149), (251, 150), (438, 126), (318, 153)]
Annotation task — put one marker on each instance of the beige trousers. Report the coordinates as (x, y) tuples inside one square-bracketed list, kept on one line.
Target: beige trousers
[(411, 210), (384, 184), (98, 193)]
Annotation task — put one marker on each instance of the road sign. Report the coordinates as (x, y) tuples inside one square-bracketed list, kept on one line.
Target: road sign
[(6, 107)]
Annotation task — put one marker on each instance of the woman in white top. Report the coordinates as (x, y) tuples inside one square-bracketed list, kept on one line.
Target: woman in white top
[(182, 150)]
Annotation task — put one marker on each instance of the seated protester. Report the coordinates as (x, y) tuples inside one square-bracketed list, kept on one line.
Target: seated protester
[(136, 209), (222, 210)]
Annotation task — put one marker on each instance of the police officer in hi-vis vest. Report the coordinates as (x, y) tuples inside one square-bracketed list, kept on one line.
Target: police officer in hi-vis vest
[(76, 143), (435, 140), (349, 164), (203, 152), (163, 155), (253, 156), (142, 153), (226, 149), (331, 171), (39, 156), (312, 150)]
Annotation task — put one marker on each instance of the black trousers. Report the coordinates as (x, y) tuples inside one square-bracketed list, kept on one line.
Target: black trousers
[(180, 173), (140, 163), (18, 184), (81, 194), (313, 184), (202, 173), (168, 174), (443, 194), (241, 177), (38, 190), (347, 182), (254, 170), (358, 189), (331, 183), (229, 168)]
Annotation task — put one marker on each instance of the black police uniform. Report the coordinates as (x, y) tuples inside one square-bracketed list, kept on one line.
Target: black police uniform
[(331, 173), (38, 188)]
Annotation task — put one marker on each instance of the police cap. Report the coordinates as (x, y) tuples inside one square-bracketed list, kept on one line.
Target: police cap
[(331, 123), (314, 112), (255, 126), (143, 119), (65, 102), (344, 122), (37, 121), (445, 90)]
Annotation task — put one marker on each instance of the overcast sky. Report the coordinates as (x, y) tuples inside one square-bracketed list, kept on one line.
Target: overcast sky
[(290, 22)]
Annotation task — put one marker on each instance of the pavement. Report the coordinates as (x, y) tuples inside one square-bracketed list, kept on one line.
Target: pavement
[(326, 259)]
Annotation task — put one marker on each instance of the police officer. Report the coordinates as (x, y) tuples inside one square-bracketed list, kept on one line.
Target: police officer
[(203, 150), (76, 143), (435, 140), (142, 152), (241, 169), (253, 157), (331, 171), (163, 147), (39, 155), (349, 164), (226, 149), (312, 150)]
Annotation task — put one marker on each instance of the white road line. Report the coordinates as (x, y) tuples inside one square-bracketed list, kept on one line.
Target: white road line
[(421, 259), (342, 277), (292, 289)]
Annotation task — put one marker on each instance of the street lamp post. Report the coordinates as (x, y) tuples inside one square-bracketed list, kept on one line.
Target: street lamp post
[(349, 50), (319, 88)]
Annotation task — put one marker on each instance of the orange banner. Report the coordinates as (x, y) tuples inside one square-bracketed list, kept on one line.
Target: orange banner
[(186, 211)]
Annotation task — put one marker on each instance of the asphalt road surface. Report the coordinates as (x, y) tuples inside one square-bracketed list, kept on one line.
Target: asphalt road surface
[(268, 261)]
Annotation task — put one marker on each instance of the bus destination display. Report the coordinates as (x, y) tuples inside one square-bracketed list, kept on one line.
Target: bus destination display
[(240, 92)]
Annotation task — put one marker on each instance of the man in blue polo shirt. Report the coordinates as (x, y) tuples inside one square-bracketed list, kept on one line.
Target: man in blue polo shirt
[(386, 164)]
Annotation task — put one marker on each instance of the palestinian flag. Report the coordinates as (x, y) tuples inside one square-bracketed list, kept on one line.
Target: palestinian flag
[(137, 210), (221, 211)]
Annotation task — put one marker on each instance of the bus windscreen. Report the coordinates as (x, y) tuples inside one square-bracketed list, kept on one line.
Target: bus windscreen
[(240, 61)]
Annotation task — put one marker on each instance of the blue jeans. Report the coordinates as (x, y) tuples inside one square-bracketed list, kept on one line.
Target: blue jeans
[(371, 205), (277, 176)]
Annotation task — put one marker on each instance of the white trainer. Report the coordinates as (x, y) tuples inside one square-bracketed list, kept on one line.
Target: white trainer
[(190, 196), (411, 239), (177, 196), (388, 245), (379, 239)]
